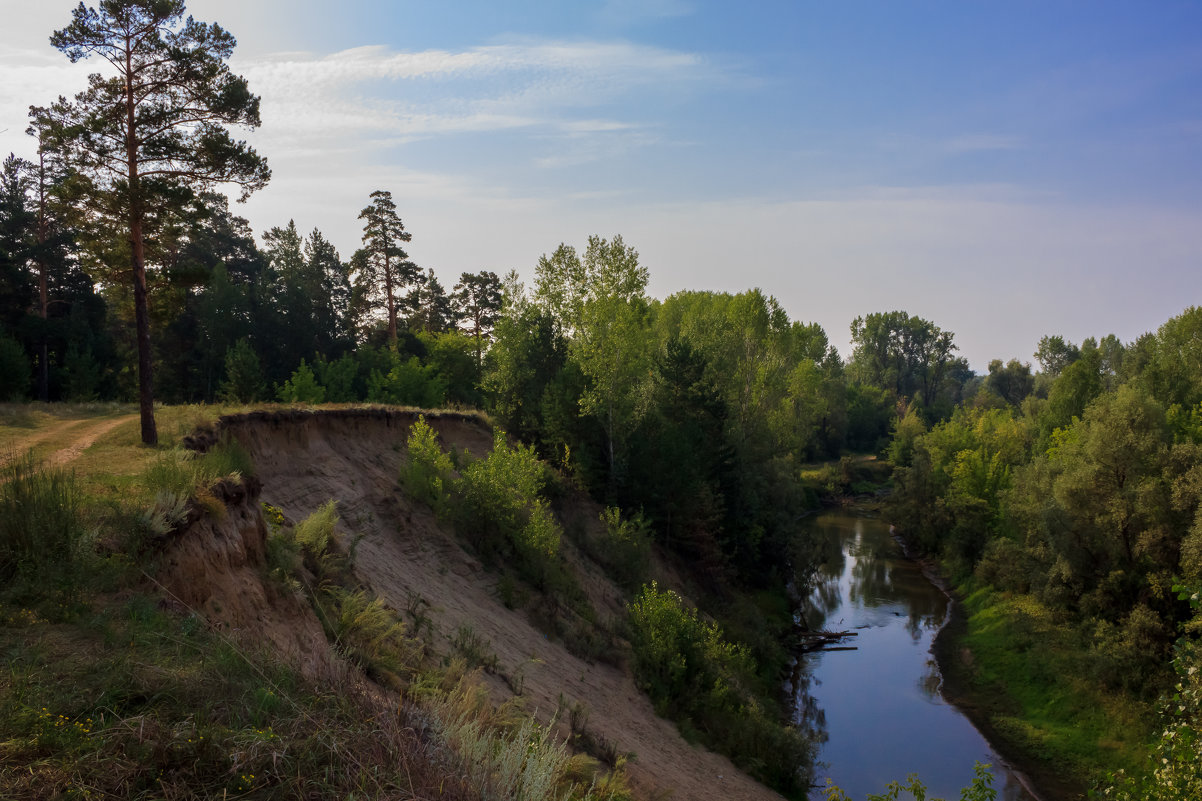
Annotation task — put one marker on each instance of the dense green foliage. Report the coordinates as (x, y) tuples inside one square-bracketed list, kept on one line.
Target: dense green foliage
[(981, 789), (1080, 505), (705, 683), (1173, 771), (496, 501)]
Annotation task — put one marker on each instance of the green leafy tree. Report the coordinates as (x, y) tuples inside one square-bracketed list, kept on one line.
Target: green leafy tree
[(1054, 354), (499, 501), (327, 284), (1174, 771), (909, 356), (1174, 360), (153, 128), (202, 300), (407, 382), (610, 342), (60, 284), (338, 377), (14, 370), (1012, 383), (697, 677), (680, 457), (527, 356), (383, 269), (427, 470), (285, 301), (1076, 386), (450, 355), (17, 223)]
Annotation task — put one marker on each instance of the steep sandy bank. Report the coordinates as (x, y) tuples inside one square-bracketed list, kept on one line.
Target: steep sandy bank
[(215, 566), (307, 458)]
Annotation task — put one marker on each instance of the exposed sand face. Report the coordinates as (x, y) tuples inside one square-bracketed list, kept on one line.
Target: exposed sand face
[(353, 456)]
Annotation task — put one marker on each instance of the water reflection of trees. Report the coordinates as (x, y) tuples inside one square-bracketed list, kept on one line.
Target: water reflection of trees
[(808, 716), (825, 597), (877, 578)]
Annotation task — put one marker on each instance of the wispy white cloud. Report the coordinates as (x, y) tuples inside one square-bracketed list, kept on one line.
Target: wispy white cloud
[(492, 88)]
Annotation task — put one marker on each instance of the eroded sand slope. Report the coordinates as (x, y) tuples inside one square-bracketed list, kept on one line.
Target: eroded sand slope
[(305, 459)]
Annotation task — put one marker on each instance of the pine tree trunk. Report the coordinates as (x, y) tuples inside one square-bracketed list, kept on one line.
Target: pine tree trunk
[(43, 287), (150, 434)]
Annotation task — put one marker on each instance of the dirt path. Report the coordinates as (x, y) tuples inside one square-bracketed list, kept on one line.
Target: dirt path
[(84, 439), (73, 437), (12, 449)]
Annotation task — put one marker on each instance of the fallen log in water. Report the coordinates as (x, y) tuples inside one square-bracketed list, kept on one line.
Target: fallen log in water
[(809, 641)]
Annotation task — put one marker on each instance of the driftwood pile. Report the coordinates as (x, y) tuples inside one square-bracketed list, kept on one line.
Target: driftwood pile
[(810, 641)]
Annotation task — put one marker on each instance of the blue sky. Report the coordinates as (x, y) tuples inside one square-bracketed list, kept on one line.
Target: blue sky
[(1005, 169)]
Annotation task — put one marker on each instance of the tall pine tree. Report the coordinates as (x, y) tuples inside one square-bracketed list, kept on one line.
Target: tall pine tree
[(382, 267), (153, 130)]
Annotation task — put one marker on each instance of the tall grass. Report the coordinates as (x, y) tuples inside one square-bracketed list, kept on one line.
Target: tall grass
[(516, 760), (40, 523), (367, 632), (184, 473), (141, 704)]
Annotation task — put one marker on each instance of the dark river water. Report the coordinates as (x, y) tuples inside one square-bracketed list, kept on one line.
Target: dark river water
[(879, 707)]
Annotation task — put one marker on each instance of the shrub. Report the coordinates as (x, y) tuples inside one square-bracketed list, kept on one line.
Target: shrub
[(1131, 654), (302, 387), (698, 679), (227, 459), (500, 508), (338, 378), (407, 383), (625, 547), (1173, 771), (427, 468)]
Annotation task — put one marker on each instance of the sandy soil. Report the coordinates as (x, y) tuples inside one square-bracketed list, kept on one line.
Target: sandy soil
[(404, 554)]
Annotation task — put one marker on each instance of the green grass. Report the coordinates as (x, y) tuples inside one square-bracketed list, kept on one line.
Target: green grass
[(1028, 674), (136, 703)]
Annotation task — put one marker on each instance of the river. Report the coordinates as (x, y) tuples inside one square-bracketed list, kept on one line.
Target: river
[(878, 709)]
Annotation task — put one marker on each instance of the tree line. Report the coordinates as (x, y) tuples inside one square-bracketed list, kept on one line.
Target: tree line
[(124, 275), (1078, 487)]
